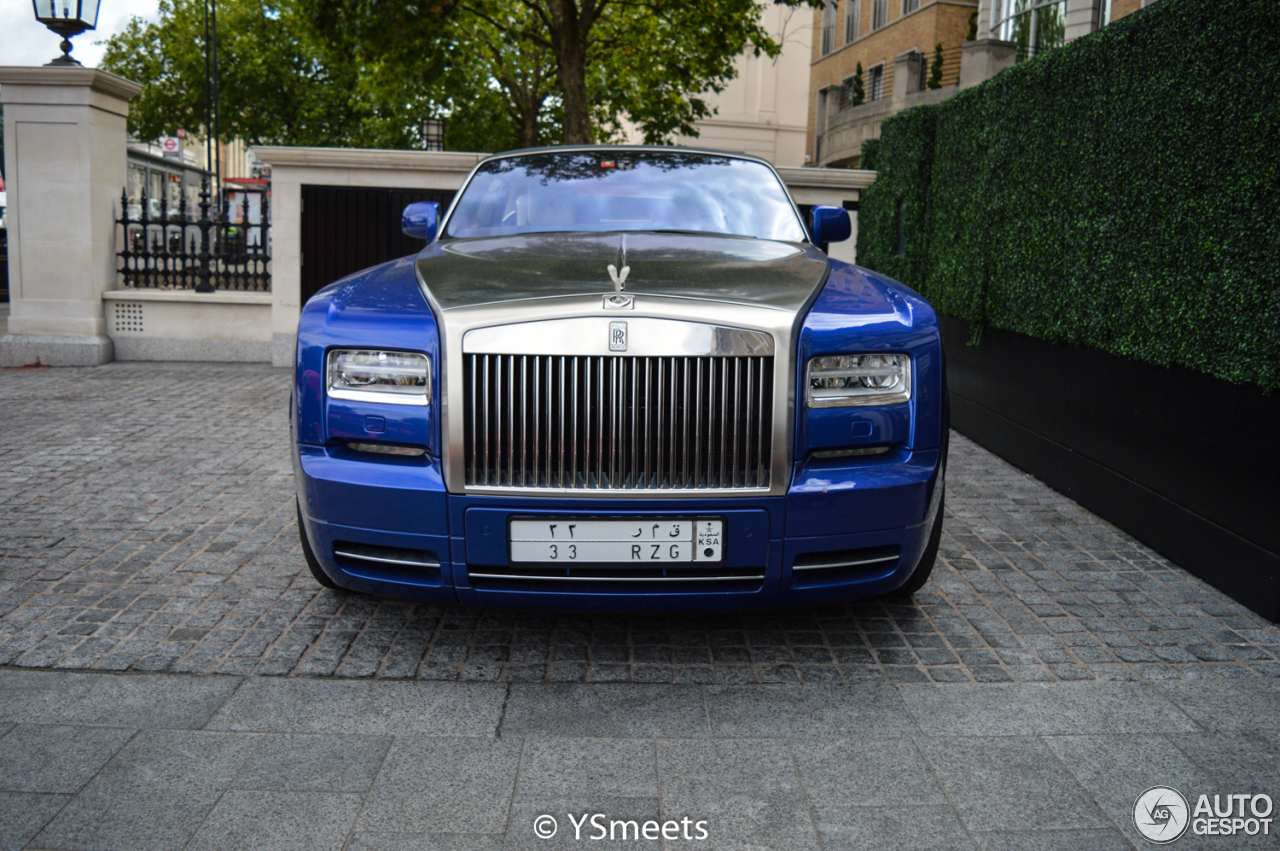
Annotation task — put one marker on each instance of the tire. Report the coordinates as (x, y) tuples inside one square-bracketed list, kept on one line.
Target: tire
[(930, 555), (309, 554)]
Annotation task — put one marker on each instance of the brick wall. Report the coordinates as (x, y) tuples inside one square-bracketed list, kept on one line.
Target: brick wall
[(945, 21)]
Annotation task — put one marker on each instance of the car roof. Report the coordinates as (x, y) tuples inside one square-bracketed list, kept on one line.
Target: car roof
[(547, 149)]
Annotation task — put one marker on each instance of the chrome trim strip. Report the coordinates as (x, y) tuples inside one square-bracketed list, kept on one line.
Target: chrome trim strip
[(589, 335), (405, 562), (660, 579), (650, 493), (838, 564), (417, 399)]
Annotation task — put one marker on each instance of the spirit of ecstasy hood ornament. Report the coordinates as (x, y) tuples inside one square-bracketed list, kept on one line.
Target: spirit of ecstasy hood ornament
[(619, 301)]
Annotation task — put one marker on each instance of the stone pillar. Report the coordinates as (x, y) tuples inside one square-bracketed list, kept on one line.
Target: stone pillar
[(1082, 18), (983, 59), (65, 151), (906, 75)]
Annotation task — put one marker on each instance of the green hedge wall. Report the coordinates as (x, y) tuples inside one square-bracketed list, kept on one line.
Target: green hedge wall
[(1121, 192)]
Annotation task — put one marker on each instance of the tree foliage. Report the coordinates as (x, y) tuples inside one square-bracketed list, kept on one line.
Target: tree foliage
[(276, 85), (935, 69), (592, 61), (1097, 195), (502, 72)]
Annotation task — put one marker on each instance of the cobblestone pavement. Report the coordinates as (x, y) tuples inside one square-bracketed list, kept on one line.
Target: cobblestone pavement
[(147, 524)]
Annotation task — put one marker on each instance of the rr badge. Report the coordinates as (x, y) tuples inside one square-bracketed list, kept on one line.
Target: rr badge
[(617, 336)]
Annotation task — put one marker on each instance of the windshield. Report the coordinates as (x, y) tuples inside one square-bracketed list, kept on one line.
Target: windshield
[(601, 191)]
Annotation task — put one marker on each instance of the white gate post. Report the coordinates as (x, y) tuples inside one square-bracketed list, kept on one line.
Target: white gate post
[(65, 151)]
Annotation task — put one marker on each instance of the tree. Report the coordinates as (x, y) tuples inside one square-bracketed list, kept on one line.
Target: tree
[(859, 90), (501, 72), (646, 59), (935, 70), (277, 85)]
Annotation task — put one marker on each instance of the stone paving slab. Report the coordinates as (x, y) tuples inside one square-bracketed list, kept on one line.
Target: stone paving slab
[(883, 780), (147, 524)]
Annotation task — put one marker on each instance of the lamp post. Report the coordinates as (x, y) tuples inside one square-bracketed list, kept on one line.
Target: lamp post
[(67, 18)]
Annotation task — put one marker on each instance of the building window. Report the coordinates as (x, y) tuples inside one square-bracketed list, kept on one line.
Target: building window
[(875, 83), (846, 93), (1033, 25), (1104, 13), (828, 27), (879, 14), (852, 14), (909, 6)]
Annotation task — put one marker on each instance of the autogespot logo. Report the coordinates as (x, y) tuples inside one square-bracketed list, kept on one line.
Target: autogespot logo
[(1161, 814)]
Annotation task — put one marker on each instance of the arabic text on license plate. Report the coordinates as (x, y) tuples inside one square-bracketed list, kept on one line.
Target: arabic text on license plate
[(638, 541)]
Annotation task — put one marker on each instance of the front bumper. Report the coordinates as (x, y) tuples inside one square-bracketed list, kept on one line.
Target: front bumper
[(845, 529)]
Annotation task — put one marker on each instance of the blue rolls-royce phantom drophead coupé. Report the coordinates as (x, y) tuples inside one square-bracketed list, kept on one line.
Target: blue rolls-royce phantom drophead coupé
[(620, 378)]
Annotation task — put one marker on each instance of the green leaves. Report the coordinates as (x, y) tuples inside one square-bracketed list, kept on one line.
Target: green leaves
[(366, 73), (1104, 195)]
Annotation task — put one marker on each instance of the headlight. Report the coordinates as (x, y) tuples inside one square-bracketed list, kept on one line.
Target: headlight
[(846, 380), (400, 378)]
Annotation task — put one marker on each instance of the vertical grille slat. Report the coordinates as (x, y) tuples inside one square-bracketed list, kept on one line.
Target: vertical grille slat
[(697, 429), (618, 422)]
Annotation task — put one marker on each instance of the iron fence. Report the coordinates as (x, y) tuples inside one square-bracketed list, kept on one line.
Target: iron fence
[(169, 248)]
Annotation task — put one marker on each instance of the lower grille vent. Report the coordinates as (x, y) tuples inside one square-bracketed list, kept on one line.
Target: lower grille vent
[(386, 562), (824, 568)]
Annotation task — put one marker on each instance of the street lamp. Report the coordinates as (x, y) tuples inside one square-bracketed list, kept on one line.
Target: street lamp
[(67, 18)]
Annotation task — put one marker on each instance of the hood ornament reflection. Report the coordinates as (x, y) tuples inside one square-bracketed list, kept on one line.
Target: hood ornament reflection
[(619, 301)]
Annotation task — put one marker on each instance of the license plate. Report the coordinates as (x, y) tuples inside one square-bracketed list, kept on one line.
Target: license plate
[(643, 540)]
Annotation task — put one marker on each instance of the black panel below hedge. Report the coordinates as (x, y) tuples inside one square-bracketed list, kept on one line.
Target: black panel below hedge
[(1186, 463)]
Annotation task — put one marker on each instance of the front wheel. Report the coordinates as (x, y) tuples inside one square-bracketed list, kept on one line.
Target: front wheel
[(310, 555)]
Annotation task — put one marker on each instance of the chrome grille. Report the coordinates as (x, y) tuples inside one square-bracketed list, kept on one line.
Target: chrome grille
[(618, 422)]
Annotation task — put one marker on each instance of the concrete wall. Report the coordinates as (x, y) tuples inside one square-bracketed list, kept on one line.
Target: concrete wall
[(180, 325), (291, 168)]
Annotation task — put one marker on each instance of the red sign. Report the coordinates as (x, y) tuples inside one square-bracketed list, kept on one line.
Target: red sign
[(182, 134), (170, 144)]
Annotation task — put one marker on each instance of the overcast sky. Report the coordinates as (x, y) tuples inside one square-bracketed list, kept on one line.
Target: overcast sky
[(24, 41)]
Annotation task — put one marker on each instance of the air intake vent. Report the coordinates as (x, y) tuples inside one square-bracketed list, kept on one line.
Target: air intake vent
[(618, 423), (835, 566), (388, 562), (128, 316)]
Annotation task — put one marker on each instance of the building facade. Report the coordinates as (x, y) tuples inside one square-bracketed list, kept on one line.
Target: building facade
[(762, 110), (896, 44)]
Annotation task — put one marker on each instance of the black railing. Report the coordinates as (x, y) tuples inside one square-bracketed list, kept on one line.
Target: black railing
[(169, 248)]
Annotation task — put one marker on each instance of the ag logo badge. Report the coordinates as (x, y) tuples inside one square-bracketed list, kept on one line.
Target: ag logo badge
[(1161, 814)]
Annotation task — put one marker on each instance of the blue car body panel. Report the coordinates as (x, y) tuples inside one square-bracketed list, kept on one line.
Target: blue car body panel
[(871, 503)]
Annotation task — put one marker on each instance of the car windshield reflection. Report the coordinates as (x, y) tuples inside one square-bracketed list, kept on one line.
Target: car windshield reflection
[(607, 191)]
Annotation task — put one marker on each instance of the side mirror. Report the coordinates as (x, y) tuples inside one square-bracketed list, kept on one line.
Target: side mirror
[(420, 220), (830, 224)]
